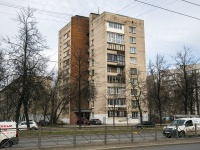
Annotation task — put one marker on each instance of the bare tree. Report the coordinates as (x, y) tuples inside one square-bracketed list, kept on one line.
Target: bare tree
[(157, 72), (82, 90), (25, 58), (2, 70), (71, 86), (137, 85), (184, 63)]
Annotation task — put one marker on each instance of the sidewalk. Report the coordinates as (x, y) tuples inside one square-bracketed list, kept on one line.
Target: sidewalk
[(115, 146)]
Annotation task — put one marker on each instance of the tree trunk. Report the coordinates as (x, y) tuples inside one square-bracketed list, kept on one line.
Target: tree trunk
[(17, 115)]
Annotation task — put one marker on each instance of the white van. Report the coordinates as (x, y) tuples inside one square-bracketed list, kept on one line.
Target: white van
[(185, 126), (8, 134)]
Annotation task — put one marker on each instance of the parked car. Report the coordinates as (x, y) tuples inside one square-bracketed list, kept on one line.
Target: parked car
[(183, 127), (43, 123), (23, 125), (82, 121), (146, 124), (8, 134), (95, 122)]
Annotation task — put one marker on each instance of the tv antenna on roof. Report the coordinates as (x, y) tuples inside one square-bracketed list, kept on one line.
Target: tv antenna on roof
[(98, 10)]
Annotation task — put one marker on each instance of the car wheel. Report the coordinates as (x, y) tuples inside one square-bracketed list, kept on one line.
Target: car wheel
[(32, 128), (7, 144), (182, 134), (168, 135)]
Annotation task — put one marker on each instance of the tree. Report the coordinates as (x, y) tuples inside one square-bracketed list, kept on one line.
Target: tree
[(137, 85), (71, 86), (2, 69), (25, 58), (184, 64), (81, 90), (157, 72)]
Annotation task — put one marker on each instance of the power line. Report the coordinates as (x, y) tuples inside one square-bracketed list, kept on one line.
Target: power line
[(21, 7), (168, 10), (155, 9), (191, 3), (34, 17)]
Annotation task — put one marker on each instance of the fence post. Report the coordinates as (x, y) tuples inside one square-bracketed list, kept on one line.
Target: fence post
[(74, 136), (105, 138), (195, 130), (155, 133), (39, 138), (132, 133), (176, 131)]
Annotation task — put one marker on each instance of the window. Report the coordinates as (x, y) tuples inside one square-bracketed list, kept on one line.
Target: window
[(92, 62), (116, 90), (65, 45), (115, 25), (116, 113), (65, 54), (115, 38), (134, 104), (65, 36), (92, 52), (119, 101), (92, 42), (120, 59), (66, 110), (112, 113), (115, 79), (134, 114), (108, 69), (111, 58), (133, 92), (132, 50), (133, 81), (68, 52), (132, 29), (121, 113), (132, 39), (68, 43), (119, 70), (64, 63), (92, 72), (92, 32), (116, 47), (133, 60), (133, 71), (64, 72)]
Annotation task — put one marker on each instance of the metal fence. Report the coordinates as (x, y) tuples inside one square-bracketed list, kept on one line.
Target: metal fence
[(84, 135)]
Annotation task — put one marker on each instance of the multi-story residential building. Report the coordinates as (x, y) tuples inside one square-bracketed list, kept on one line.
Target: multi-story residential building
[(116, 52)]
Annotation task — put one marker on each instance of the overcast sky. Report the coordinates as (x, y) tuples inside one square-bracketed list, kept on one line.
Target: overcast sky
[(166, 32)]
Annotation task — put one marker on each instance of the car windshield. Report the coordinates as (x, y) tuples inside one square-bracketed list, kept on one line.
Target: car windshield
[(178, 122)]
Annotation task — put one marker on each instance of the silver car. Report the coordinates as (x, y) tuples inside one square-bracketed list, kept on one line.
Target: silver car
[(23, 125)]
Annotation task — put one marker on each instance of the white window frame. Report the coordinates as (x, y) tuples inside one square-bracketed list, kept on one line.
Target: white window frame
[(132, 30), (133, 60), (132, 40), (132, 50), (134, 114)]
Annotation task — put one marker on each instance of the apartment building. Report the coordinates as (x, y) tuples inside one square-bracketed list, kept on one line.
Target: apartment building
[(116, 49)]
